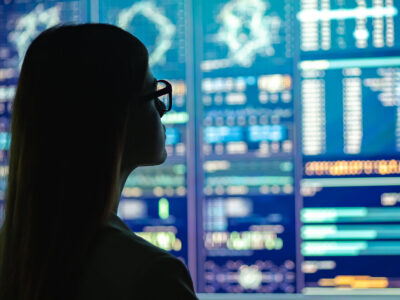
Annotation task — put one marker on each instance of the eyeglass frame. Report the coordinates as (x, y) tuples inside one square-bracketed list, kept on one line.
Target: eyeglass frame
[(164, 91)]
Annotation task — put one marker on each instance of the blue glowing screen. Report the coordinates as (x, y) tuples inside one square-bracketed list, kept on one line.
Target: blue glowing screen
[(283, 169)]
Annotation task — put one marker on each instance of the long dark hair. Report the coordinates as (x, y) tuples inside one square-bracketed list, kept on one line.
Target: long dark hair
[(78, 84)]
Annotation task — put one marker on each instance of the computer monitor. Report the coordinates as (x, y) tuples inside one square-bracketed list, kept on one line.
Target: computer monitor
[(283, 142)]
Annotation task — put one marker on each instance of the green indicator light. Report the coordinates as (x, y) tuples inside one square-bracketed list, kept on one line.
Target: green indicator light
[(279, 244), (5, 141), (179, 169), (249, 180), (286, 166), (163, 208), (176, 118)]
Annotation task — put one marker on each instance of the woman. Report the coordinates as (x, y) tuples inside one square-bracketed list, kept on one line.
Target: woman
[(85, 115)]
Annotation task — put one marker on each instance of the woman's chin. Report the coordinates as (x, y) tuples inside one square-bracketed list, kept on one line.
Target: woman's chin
[(163, 157), (157, 160)]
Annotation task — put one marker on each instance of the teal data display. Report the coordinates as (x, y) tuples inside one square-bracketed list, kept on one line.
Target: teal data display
[(283, 168), (349, 95), (348, 27), (155, 200), (160, 25), (358, 124), (239, 35), (245, 112)]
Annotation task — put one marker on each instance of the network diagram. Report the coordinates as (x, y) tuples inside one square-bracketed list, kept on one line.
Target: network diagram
[(30, 25), (166, 29), (247, 29)]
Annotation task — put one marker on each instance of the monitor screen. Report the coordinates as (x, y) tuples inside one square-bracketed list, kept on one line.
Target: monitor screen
[(350, 184), (283, 169), (246, 126), (155, 199)]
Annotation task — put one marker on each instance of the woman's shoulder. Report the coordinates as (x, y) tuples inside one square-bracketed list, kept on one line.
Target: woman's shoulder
[(121, 242), (123, 263)]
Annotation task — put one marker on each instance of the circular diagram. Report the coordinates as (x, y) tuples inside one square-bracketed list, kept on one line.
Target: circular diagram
[(166, 30), (30, 25), (248, 30)]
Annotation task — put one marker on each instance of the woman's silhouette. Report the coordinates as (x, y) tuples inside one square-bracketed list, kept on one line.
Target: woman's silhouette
[(85, 115)]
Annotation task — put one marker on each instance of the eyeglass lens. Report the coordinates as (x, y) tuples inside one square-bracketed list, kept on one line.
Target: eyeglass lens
[(163, 98)]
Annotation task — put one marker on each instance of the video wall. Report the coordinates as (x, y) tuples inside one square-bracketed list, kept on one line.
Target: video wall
[(283, 169)]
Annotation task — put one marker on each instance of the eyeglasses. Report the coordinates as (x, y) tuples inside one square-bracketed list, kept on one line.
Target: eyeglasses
[(162, 95)]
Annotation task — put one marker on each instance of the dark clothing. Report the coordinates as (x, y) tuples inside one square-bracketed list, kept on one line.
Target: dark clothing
[(126, 267)]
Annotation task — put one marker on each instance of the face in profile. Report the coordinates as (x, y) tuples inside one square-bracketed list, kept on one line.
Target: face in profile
[(145, 145)]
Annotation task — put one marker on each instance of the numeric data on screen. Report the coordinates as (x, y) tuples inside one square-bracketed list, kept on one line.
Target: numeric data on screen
[(350, 106), (349, 90), (349, 26), (283, 142)]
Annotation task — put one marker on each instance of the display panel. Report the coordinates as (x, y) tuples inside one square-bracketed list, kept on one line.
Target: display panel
[(349, 89), (348, 27), (350, 106), (284, 133), (20, 23), (245, 147), (351, 174), (154, 201)]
